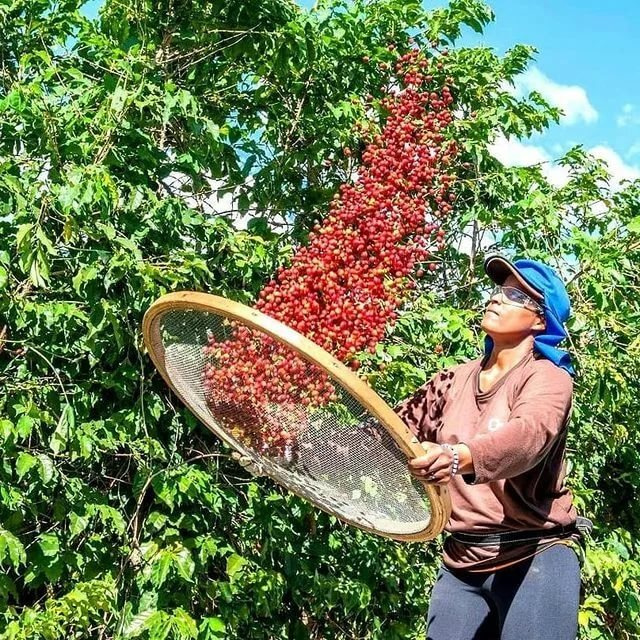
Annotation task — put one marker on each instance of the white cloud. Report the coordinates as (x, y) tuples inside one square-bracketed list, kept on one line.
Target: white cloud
[(634, 150), (514, 153), (618, 168), (558, 176), (630, 116), (571, 99)]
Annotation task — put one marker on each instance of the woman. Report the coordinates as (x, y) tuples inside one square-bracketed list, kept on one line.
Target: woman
[(494, 431)]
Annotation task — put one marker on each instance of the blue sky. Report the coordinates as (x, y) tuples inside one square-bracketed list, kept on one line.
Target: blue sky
[(587, 65)]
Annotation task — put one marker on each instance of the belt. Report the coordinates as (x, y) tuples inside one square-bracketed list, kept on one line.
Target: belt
[(513, 537)]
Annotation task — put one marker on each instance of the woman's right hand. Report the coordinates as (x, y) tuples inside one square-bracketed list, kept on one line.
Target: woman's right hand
[(436, 465)]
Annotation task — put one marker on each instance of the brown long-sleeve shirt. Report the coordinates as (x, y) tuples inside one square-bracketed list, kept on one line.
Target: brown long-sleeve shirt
[(516, 432)]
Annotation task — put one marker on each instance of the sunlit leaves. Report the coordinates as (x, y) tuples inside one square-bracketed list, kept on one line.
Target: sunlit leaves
[(130, 153)]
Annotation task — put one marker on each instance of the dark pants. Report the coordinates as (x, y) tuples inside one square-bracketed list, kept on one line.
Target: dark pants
[(536, 599)]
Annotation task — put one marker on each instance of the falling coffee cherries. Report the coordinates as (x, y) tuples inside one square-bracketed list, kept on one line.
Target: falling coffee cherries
[(344, 288)]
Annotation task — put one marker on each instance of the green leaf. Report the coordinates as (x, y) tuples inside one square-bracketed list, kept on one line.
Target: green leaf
[(7, 588), (138, 624), (4, 278), (634, 225), (11, 548), (208, 549), (39, 271), (235, 563), (118, 98), (49, 544), (16, 101), (24, 463), (159, 626), (212, 628), (110, 517), (369, 486), (45, 242), (47, 468), (77, 524), (248, 165), (160, 569), (25, 426), (22, 235), (60, 436), (87, 273), (184, 563), (166, 491), (183, 625), (6, 429)]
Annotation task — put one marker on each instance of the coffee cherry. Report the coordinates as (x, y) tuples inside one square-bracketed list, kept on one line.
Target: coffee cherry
[(344, 289)]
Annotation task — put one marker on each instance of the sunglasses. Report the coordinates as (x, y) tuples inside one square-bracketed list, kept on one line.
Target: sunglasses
[(517, 298)]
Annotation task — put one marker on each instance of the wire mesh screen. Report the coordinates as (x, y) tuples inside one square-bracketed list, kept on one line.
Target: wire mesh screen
[(289, 416)]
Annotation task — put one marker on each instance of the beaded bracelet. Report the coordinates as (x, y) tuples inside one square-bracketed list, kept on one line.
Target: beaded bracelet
[(456, 459)]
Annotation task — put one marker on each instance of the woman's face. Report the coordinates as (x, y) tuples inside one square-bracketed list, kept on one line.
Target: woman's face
[(507, 321)]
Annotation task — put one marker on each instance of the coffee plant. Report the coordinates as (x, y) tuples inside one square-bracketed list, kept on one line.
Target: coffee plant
[(254, 150)]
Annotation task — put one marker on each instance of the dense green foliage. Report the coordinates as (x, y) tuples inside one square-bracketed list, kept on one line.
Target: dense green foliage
[(121, 516)]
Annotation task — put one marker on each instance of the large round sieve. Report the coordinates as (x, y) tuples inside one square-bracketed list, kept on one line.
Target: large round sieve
[(306, 419)]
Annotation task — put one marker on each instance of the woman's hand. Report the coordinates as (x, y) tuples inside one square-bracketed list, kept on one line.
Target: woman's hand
[(436, 465)]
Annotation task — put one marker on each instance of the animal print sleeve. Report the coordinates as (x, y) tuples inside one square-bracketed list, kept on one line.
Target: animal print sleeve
[(422, 411)]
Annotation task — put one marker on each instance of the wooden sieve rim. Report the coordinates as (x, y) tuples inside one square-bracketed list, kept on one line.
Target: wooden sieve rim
[(438, 496)]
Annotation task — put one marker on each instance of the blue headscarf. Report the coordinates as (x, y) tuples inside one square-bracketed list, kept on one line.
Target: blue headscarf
[(555, 302)]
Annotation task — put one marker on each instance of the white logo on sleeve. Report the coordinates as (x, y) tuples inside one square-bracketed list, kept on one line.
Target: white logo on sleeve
[(494, 424)]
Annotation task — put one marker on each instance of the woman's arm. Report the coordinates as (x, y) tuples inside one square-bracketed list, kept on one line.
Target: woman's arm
[(537, 418), (421, 411)]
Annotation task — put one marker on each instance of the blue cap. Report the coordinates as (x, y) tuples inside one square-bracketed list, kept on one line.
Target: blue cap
[(545, 286)]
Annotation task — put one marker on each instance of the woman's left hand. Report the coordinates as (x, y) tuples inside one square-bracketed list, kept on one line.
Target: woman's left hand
[(434, 466)]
